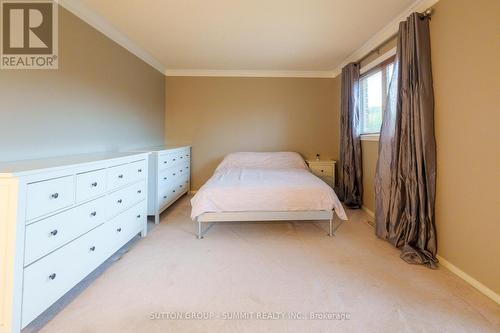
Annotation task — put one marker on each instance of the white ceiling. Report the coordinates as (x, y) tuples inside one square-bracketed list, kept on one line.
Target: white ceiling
[(248, 35)]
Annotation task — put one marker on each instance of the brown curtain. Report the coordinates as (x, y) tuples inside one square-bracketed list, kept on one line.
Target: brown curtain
[(405, 181), (350, 183)]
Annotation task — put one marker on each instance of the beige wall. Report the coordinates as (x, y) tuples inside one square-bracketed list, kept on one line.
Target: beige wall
[(369, 157), (101, 98), (466, 72), (465, 41), (222, 115)]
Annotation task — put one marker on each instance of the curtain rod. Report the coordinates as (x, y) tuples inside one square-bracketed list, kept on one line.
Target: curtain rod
[(426, 13), (377, 49)]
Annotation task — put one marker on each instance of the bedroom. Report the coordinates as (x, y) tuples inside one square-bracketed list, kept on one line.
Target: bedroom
[(198, 82)]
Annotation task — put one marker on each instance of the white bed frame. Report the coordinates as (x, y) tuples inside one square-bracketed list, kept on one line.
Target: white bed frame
[(306, 215)]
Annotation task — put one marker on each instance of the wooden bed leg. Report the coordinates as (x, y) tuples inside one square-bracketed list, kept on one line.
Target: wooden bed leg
[(331, 234)]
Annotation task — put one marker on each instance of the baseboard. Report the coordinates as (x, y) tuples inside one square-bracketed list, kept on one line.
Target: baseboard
[(368, 211), (469, 279)]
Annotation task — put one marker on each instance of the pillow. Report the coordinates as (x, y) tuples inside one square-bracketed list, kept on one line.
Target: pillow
[(268, 160)]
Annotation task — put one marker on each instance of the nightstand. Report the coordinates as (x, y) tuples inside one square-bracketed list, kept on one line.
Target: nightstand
[(324, 169)]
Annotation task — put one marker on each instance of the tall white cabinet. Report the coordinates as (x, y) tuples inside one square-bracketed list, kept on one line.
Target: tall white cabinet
[(169, 176), (59, 220)]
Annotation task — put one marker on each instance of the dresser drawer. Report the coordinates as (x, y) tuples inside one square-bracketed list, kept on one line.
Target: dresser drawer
[(165, 180), (118, 176), (125, 226), (90, 185), (48, 279), (183, 169), (182, 185), (184, 155), (125, 198), (126, 174), (48, 196), (137, 170), (166, 196), (167, 160), (164, 199), (187, 154), (173, 191), (172, 174), (170, 159), (51, 233), (176, 190), (322, 170)]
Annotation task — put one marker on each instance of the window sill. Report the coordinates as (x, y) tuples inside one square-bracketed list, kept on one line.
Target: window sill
[(370, 137)]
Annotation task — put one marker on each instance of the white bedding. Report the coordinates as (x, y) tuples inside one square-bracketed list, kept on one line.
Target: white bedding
[(264, 182)]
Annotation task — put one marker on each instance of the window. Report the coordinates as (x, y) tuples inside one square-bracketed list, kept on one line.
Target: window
[(373, 87)]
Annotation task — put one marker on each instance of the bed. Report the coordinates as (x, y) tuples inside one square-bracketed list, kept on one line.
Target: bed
[(274, 186)]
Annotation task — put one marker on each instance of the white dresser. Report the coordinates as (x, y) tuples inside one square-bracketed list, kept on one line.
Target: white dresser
[(59, 220), (169, 176)]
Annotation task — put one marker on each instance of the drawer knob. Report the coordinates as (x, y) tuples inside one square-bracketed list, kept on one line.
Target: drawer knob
[(139, 191), (164, 178), (52, 276), (92, 248), (94, 184), (139, 216), (120, 201), (164, 197), (93, 214), (55, 195), (140, 170), (173, 159), (180, 186), (181, 170), (119, 229), (53, 232), (164, 162), (173, 191), (120, 176), (186, 181)]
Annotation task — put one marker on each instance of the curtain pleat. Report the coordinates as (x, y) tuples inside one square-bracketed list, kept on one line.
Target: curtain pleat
[(405, 181), (350, 171)]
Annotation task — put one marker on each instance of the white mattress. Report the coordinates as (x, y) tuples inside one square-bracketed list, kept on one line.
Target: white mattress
[(268, 184)]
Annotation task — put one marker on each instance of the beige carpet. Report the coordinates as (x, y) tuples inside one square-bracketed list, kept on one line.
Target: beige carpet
[(272, 269)]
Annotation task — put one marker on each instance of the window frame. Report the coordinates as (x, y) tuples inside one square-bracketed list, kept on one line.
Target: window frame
[(378, 64)]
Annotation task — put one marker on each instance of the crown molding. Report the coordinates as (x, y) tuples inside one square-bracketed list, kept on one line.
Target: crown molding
[(248, 73), (385, 34), (79, 9)]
